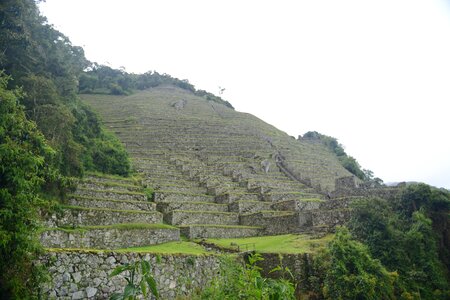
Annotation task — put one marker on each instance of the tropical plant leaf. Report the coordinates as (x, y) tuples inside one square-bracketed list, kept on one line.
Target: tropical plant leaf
[(143, 286), (116, 296), (277, 268), (129, 291), (118, 270), (152, 284), (145, 265)]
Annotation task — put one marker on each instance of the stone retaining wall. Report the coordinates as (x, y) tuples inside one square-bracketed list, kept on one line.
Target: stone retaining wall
[(330, 218), (166, 196), (111, 194), (93, 217), (104, 186), (199, 217), (282, 224), (248, 207), (108, 238), (166, 207), (217, 232), (112, 204), (298, 264), (84, 275), (230, 197), (292, 205)]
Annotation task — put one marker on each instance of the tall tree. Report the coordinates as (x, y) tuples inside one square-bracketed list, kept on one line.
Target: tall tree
[(24, 168)]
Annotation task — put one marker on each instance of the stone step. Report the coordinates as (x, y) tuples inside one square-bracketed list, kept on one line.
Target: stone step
[(110, 178), (151, 172), (75, 216), (274, 197), (232, 197), (330, 218), (219, 231), (109, 237), (275, 223), (166, 177), (169, 196), (169, 181), (116, 195), (166, 207), (83, 201), (154, 167), (298, 205), (87, 183), (180, 188), (246, 207), (185, 217)]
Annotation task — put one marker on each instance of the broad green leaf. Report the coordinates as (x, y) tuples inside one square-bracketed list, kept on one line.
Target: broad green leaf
[(116, 296), (118, 270), (143, 286), (145, 265), (152, 284), (129, 291)]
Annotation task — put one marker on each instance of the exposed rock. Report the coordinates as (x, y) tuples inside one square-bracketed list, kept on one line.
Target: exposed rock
[(180, 104), (78, 295), (90, 292)]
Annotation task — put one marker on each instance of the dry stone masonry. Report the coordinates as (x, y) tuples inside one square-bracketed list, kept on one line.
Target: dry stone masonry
[(85, 275)]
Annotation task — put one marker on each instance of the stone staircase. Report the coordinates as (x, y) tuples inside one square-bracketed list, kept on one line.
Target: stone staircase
[(106, 213)]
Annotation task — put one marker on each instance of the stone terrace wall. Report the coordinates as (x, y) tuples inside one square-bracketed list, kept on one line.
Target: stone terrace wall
[(84, 275), (108, 238)]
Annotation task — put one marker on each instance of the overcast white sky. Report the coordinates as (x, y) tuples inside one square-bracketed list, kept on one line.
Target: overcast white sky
[(374, 74)]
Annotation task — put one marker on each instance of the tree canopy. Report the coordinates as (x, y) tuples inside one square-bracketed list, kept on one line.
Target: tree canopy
[(25, 166), (45, 64)]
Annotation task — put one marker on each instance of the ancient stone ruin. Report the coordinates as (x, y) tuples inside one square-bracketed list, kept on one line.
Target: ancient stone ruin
[(203, 173)]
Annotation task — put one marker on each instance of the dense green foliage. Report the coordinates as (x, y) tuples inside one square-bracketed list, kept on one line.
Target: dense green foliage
[(47, 66), (100, 79), (237, 281), (348, 162), (392, 252), (24, 168), (400, 234), (347, 271)]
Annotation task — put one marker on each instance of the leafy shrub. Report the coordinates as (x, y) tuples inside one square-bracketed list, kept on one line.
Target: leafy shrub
[(24, 168), (399, 234), (139, 281), (149, 192), (238, 281)]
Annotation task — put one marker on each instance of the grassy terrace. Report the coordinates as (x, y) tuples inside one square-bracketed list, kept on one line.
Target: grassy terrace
[(288, 243), (285, 244), (180, 247)]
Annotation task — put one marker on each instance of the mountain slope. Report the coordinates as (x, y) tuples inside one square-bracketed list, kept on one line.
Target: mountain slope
[(175, 121)]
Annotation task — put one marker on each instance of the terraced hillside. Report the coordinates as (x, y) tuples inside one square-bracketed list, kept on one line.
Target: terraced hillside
[(221, 173), (106, 212)]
